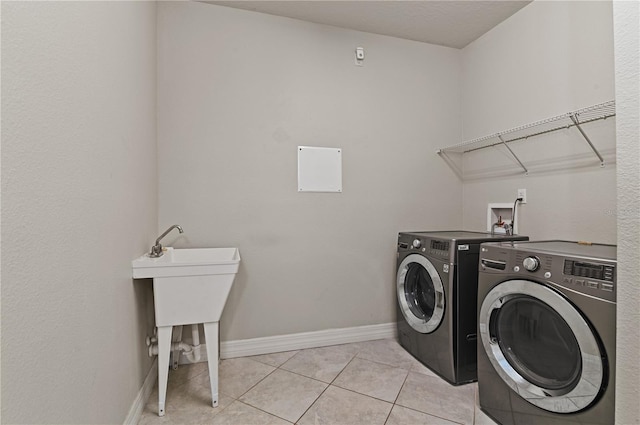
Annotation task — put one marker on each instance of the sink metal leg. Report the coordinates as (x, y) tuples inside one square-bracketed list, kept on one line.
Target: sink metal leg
[(164, 348), (211, 335)]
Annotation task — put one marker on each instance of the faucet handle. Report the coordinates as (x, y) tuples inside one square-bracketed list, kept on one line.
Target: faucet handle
[(156, 251)]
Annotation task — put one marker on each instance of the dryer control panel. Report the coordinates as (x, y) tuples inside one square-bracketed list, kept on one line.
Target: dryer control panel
[(426, 246), (439, 248)]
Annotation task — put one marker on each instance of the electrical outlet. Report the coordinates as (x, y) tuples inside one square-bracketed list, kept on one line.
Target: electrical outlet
[(522, 193)]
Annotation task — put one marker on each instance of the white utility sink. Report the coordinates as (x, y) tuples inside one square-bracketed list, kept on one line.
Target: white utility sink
[(189, 286), (187, 262)]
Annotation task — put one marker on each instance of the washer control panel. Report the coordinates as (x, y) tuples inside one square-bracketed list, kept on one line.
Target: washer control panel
[(592, 277), (588, 275), (588, 270)]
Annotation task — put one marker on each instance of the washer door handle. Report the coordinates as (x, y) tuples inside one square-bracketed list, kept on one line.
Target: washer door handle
[(493, 333), (439, 299)]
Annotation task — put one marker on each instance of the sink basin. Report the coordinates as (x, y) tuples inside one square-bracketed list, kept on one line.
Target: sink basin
[(189, 285), (187, 262)]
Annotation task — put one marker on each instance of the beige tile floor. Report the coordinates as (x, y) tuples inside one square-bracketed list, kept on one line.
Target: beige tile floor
[(369, 383)]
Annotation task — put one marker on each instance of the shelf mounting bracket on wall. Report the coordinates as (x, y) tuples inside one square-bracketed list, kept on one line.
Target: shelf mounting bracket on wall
[(574, 118), (526, 172)]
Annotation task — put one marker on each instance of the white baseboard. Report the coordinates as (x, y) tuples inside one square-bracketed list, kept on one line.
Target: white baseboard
[(300, 341), (135, 413)]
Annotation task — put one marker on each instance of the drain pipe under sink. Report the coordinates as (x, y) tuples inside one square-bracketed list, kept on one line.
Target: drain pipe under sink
[(191, 352), (194, 355)]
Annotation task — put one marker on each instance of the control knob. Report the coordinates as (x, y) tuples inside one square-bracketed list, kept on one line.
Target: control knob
[(416, 243), (531, 264)]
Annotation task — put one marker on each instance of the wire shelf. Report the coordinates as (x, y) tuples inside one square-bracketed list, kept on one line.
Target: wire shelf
[(571, 119), (560, 122)]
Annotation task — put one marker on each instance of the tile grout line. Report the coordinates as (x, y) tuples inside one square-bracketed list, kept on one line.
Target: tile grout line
[(316, 379), (431, 414), (342, 370), (305, 376), (327, 387), (255, 360), (373, 397), (254, 385), (364, 395), (355, 356), (403, 384), (264, 411), (255, 407), (398, 395), (384, 364), (311, 405)]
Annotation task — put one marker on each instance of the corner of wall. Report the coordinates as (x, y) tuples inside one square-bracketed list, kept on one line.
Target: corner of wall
[(627, 47)]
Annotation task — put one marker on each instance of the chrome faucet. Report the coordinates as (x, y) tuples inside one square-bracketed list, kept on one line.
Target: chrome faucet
[(156, 250)]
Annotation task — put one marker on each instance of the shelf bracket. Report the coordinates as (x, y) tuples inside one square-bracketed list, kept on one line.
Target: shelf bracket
[(514, 155), (574, 118), (452, 164)]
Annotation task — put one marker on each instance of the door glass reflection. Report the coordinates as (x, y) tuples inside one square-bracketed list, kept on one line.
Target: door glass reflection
[(538, 343), (420, 292)]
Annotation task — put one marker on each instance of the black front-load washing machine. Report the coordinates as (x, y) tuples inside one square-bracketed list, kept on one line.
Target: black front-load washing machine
[(547, 332), (436, 285)]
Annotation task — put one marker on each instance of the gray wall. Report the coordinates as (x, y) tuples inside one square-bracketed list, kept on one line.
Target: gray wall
[(627, 49), (238, 92), (548, 59), (78, 204)]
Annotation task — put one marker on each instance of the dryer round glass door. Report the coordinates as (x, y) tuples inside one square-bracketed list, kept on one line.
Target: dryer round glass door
[(420, 293), (541, 346)]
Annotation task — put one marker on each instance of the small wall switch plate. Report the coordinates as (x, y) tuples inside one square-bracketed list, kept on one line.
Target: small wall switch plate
[(522, 193), (359, 56)]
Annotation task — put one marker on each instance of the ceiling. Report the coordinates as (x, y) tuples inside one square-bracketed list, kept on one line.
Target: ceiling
[(447, 23)]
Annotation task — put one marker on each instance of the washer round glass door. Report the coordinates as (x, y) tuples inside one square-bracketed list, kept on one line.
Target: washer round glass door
[(420, 293), (541, 346)]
